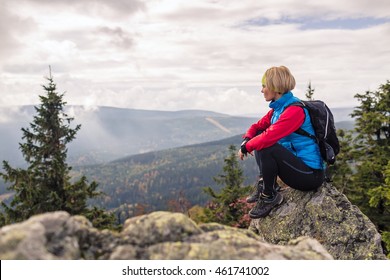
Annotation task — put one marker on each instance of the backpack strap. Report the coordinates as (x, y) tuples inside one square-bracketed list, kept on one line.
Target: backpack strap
[(305, 133), (300, 130)]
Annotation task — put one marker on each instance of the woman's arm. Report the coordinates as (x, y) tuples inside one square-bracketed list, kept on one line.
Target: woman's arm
[(261, 125), (289, 121)]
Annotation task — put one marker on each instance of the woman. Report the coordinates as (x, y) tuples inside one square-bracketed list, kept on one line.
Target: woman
[(293, 157)]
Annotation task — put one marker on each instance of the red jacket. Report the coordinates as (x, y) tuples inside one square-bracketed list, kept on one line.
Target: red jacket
[(290, 120)]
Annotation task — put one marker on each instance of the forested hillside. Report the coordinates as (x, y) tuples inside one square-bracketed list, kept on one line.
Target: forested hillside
[(157, 180)]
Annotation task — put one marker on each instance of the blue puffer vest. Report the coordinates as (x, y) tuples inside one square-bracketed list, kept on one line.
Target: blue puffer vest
[(303, 147)]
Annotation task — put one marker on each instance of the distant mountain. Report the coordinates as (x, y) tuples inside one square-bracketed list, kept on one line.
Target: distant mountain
[(342, 114), (109, 133), (346, 125)]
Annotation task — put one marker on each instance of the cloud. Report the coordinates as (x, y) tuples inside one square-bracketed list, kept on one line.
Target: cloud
[(14, 114), (10, 26), (117, 37), (110, 8), (232, 100), (172, 55)]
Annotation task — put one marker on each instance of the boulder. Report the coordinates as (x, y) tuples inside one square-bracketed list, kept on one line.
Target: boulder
[(42, 237), (159, 235), (325, 215)]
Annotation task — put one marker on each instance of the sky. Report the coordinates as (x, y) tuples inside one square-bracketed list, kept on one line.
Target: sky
[(200, 54)]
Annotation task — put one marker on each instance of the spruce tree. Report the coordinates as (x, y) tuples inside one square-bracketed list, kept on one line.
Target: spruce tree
[(371, 189), (46, 184), (228, 206), (309, 92)]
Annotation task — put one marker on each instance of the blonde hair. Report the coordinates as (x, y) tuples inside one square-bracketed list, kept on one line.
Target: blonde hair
[(279, 79)]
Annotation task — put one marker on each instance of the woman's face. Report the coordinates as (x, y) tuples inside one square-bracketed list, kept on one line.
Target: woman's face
[(269, 94)]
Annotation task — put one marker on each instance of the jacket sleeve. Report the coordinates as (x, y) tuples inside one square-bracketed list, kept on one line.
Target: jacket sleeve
[(261, 125), (289, 121)]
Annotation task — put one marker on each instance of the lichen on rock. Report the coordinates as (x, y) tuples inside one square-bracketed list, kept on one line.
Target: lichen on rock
[(325, 215), (159, 235)]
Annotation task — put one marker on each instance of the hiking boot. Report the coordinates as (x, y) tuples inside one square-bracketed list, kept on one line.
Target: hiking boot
[(259, 188), (264, 205), (254, 196)]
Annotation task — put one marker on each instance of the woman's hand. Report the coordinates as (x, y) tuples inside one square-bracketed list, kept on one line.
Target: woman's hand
[(241, 155)]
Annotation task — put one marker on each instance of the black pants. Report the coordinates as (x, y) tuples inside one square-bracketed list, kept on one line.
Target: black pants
[(278, 161)]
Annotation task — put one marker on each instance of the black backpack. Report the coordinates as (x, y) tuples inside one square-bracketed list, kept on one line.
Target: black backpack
[(324, 128)]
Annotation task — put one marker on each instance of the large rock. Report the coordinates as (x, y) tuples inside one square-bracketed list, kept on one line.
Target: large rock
[(325, 215), (42, 237), (55, 235), (159, 235)]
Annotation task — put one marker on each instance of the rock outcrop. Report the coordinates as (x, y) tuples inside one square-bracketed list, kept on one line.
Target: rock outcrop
[(325, 215), (307, 225), (159, 235)]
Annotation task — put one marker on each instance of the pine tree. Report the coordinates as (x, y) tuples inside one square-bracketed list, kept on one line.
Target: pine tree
[(227, 206), (309, 92), (371, 189), (46, 184)]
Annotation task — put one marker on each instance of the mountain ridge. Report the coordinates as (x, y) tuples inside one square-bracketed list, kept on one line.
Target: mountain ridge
[(108, 133)]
